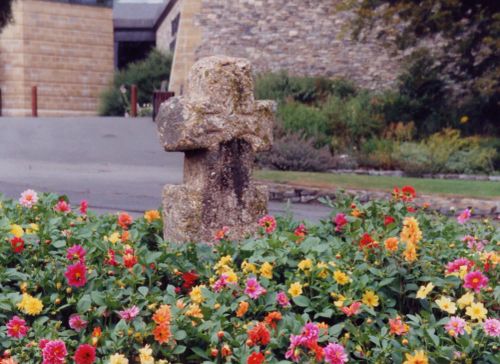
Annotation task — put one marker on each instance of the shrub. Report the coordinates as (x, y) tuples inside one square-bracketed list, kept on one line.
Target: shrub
[(412, 158), (147, 75), (294, 152), (377, 153)]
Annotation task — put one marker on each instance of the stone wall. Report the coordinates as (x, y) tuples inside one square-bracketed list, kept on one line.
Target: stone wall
[(165, 38), (305, 37), (64, 49)]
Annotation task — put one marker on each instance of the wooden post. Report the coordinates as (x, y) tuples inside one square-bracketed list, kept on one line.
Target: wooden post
[(133, 101), (34, 102)]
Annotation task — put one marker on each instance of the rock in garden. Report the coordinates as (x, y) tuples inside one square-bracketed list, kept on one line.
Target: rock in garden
[(219, 126)]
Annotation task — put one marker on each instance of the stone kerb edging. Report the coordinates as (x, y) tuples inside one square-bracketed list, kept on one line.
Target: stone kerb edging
[(448, 205), (399, 173)]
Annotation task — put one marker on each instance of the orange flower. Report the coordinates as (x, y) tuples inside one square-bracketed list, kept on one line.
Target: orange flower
[(162, 315), (398, 327), (410, 253), (391, 244), (225, 351), (242, 309), (323, 325), (162, 333), (125, 236), (152, 215), (356, 213), (272, 318), (124, 220)]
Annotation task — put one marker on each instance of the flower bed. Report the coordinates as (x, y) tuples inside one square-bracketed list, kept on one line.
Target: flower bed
[(381, 282)]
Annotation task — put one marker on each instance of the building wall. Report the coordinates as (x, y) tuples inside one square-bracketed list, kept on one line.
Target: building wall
[(305, 37), (164, 36), (66, 51)]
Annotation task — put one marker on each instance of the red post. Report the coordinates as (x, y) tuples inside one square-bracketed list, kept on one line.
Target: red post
[(34, 102), (133, 101)]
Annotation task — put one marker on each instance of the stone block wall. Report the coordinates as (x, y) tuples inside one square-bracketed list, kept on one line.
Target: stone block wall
[(64, 49), (164, 36), (305, 37)]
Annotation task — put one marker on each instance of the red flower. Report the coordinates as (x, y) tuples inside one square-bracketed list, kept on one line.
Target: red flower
[(76, 274), (62, 206), (83, 207), (258, 335), (367, 241), (17, 244), (189, 279), (388, 220), (268, 222), (124, 220), (85, 354), (411, 209), (17, 328), (256, 358), (129, 257), (111, 258), (300, 231), (408, 193)]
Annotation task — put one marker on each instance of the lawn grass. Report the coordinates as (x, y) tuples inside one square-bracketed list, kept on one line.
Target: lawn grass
[(478, 189)]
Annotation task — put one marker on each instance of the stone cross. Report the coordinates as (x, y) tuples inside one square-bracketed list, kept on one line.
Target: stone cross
[(219, 126)]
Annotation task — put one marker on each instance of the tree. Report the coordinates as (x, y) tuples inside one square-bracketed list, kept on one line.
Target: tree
[(466, 33), (5, 13)]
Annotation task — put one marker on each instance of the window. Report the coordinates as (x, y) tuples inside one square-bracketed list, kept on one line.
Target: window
[(175, 24)]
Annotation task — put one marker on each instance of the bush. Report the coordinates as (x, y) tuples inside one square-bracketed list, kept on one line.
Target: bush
[(147, 75), (294, 152), (377, 153), (362, 285)]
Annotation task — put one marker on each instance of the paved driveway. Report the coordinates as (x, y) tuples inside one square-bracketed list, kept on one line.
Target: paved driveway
[(114, 163)]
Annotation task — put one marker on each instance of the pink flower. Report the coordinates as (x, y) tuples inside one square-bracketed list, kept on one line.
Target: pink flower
[(83, 207), (76, 252), (473, 243), (475, 280), (464, 216), (42, 343), (335, 354), (129, 314), (221, 283), (253, 288), (340, 221), (77, 323), (17, 328), (28, 198), (492, 327), (76, 274), (454, 266), (54, 352), (62, 206), (455, 326), (282, 299), (292, 352), (268, 222), (310, 332), (352, 309)]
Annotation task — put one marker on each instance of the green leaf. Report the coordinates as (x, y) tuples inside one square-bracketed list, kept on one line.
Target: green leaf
[(84, 304), (180, 335), (301, 301), (200, 352), (143, 290), (59, 244), (179, 349), (386, 281)]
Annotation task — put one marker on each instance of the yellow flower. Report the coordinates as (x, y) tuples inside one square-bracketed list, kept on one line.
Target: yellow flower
[(370, 299), (223, 264), (194, 311), (305, 264), (423, 291), (118, 359), (32, 229), (476, 311), (114, 237), (196, 294), (340, 277), (411, 233), (152, 215), (323, 272), (247, 267), (30, 305), (295, 289), (410, 253), (418, 358), (464, 119), (445, 304), (16, 230), (466, 300), (145, 355), (266, 270), (231, 277)]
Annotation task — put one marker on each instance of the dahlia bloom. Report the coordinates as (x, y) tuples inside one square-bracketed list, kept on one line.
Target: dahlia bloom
[(300, 231), (388, 220), (464, 216), (268, 222), (256, 358), (335, 354), (398, 327), (456, 326), (253, 288), (293, 352), (76, 274), (76, 252), (221, 283), (85, 354), (367, 241), (473, 243), (54, 352), (351, 310), (30, 305), (129, 314), (340, 221), (492, 327), (258, 335), (17, 244), (77, 323), (62, 206), (16, 327), (28, 198), (124, 220), (455, 266), (282, 299), (310, 332), (83, 207), (475, 280)]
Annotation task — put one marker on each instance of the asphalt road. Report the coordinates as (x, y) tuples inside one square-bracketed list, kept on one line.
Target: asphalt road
[(117, 164)]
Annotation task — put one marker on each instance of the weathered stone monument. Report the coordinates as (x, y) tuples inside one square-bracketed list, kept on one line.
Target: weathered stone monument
[(219, 126)]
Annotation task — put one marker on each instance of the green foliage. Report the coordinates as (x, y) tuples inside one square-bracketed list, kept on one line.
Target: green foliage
[(378, 153), (294, 152), (147, 75), (311, 257)]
